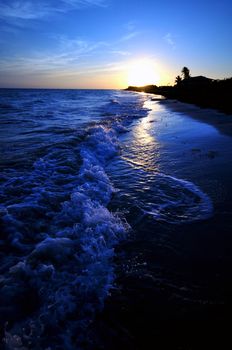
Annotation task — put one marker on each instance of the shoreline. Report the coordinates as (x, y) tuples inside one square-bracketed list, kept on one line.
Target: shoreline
[(221, 121), (199, 90), (169, 277)]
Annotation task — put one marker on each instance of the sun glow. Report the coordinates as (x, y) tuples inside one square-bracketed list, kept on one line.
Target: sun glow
[(142, 72)]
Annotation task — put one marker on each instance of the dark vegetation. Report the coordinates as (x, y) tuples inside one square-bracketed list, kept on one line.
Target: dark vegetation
[(199, 90)]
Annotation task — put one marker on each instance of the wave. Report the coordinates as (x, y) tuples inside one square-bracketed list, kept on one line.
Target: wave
[(178, 201), (60, 236)]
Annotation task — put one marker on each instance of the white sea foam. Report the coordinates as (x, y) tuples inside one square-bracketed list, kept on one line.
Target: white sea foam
[(58, 233), (178, 201), (67, 242)]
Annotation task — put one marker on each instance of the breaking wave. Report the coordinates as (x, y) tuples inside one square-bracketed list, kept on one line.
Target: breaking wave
[(58, 238), (57, 234), (177, 201), (64, 235)]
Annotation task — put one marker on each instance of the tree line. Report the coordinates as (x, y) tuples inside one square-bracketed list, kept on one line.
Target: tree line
[(199, 90)]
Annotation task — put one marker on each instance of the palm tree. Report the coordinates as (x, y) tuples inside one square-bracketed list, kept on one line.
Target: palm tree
[(185, 72), (178, 80)]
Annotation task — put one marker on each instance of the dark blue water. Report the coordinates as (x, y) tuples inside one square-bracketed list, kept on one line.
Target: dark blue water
[(174, 270), (57, 234), (81, 172)]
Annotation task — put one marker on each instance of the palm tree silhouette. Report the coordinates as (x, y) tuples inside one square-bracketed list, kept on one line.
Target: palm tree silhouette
[(185, 72), (178, 80)]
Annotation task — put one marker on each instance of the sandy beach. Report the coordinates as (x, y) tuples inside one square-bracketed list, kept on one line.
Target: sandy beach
[(116, 222), (173, 280), (222, 121)]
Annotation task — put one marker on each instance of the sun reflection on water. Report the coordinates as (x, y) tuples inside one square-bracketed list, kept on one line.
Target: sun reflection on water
[(144, 150)]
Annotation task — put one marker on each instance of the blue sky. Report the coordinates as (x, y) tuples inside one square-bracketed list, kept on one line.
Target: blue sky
[(93, 43)]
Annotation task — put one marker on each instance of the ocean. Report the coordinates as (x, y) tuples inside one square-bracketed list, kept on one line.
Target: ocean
[(115, 210)]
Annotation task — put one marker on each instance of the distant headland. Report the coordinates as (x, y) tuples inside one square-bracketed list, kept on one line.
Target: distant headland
[(198, 90)]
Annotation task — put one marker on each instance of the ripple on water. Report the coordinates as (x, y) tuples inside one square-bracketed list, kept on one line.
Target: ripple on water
[(177, 201)]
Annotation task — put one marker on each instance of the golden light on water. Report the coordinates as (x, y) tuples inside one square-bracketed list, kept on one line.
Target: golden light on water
[(145, 148), (143, 72)]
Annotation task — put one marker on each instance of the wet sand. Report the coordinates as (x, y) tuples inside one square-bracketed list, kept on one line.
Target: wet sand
[(173, 288), (223, 122)]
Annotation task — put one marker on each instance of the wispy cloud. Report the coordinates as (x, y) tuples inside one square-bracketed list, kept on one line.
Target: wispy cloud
[(130, 29), (69, 54), (169, 39), (67, 44), (73, 61), (81, 3), (120, 52), (37, 9), (50, 67), (23, 10), (129, 36)]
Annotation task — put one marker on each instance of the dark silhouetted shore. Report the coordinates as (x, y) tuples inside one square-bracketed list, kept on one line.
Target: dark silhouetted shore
[(201, 91)]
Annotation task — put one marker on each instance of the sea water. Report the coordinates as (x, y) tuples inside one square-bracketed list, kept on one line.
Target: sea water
[(65, 155)]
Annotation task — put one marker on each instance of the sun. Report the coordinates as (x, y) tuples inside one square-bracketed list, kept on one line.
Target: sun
[(142, 72)]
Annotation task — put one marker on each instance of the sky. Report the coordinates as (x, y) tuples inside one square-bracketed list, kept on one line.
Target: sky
[(106, 43)]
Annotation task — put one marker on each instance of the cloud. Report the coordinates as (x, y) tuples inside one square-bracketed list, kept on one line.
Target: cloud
[(47, 68), (67, 44), (120, 52), (69, 54), (169, 39), (23, 10), (37, 9), (73, 62), (129, 36), (81, 3)]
